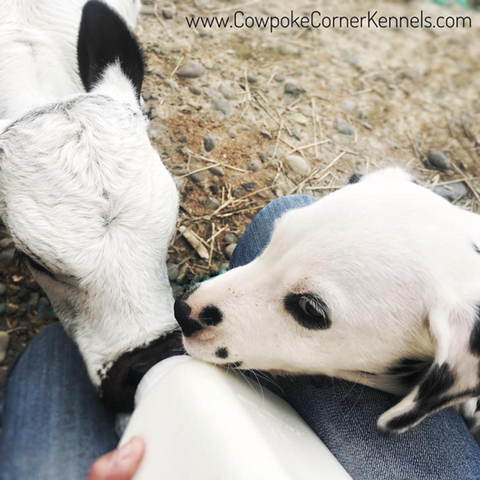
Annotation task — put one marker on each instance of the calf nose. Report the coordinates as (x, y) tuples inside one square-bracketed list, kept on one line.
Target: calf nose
[(182, 313)]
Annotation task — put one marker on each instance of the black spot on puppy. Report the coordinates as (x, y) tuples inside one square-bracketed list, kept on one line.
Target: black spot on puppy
[(355, 178), (475, 335), (222, 352), (210, 316), (399, 423), (475, 247), (408, 372), (439, 380)]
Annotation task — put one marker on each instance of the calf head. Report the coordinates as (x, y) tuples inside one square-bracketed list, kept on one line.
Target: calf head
[(91, 209), (376, 283)]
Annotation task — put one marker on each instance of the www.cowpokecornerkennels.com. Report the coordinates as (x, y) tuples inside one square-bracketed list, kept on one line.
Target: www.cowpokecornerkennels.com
[(316, 20)]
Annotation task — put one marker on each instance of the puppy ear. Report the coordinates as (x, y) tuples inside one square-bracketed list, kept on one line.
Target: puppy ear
[(454, 376), (109, 57)]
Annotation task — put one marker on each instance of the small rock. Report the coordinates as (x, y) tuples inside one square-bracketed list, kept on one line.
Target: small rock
[(197, 177), (438, 160), (262, 158), (213, 188), (212, 203), (170, 83), (194, 90), (228, 92), (265, 133), (352, 60), (216, 170), (252, 78), (216, 67), (172, 270), (223, 106), (348, 106), (292, 89), (229, 250), (167, 13), (183, 139), (3, 289), (152, 114), (230, 238), (6, 256), (297, 164), (191, 69), (4, 341), (254, 165), (209, 92), (208, 143), (362, 114), (344, 127), (239, 192), (279, 77), (156, 130), (177, 290), (278, 192), (454, 192), (249, 186)]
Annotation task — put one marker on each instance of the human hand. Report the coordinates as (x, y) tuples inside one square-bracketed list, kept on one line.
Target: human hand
[(119, 464)]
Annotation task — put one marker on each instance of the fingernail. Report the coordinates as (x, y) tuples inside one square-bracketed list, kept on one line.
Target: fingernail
[(123, 452)]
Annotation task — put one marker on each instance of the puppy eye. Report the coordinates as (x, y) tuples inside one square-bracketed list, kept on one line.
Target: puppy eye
[(308, 310), (310, 307)]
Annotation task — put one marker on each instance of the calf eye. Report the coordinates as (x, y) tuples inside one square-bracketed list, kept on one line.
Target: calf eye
[(308, 310)]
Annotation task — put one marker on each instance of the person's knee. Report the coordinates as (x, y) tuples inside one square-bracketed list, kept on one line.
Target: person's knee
[(276, 208)]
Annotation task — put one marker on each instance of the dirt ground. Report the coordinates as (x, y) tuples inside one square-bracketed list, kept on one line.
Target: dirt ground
[(275, 106)]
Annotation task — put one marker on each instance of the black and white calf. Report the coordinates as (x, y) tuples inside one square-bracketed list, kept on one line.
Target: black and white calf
[(378, 283), (85, 196)]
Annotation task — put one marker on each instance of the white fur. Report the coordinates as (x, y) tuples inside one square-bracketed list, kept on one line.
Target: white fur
[(81, 187), (397, 268)]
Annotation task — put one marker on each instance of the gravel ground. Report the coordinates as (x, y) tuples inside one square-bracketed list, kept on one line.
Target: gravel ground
[(241, 117)]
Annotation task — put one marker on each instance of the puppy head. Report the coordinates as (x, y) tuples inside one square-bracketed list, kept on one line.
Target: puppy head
[(349, 284)]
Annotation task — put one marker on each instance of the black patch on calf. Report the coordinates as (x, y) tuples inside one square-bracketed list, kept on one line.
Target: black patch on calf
[(354, 178), (222, 353), (104, 38), (118, 386), (210, 316), (475, 335), (408, 372)]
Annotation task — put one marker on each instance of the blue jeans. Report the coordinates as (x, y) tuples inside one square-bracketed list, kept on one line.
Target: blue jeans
[(54, 426)]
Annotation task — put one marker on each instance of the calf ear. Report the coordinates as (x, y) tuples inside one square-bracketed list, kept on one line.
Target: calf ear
[(452, 379), (104, 40)]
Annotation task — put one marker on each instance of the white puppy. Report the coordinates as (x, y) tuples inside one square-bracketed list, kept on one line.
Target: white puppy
[(378, 283), (85, 196)]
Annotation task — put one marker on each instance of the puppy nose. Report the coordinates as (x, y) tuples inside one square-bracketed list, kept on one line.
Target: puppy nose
[(182, 313)]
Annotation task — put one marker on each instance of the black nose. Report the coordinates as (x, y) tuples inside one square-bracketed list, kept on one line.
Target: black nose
[(210, 316), (182, 313)]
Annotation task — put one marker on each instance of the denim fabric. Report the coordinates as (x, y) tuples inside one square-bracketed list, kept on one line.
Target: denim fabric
[(344, 414), (54, 426)]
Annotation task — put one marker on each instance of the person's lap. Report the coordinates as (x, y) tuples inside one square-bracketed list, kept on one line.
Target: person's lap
[(55, 426)]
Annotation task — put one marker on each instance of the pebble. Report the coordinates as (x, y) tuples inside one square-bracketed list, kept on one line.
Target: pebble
[(455, 191), (344, 127), (213, 188), (348, 105), (4, 341), (438, 160), (212, 203), (229, 250), (292, 89), (183, 139), (6, 256), (239, 192), (230, 238), (167, 13), (216, 67), (228, 92), (279, 77), (222, 106), (278, 192), (254, 165), (194, 90), (362, 114), (191, 69), (252, 78), (177, 290), (197, 177), (265, 133), (3, 289), (217, 171), (209, 92), (208, 143), (172, 270), (249, 186), (297, 164), (171, 83)]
